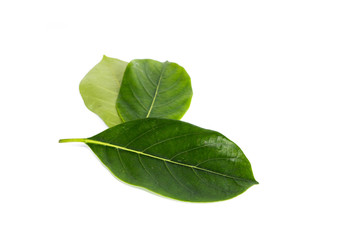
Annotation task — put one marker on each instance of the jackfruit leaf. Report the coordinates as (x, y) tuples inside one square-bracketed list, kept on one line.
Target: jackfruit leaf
[(154, 89), (100, 89), (174, 159)]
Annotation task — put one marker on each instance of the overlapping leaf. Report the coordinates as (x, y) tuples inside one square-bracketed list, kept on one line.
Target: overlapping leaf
[(100, 88), (174, 158), (154, 89)]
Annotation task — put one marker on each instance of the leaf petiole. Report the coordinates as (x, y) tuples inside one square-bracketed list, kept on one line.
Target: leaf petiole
[(83, 140)]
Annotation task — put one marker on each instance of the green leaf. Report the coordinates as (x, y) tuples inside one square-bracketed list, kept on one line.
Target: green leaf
[(154, 89), (173, 158), (100, 88)]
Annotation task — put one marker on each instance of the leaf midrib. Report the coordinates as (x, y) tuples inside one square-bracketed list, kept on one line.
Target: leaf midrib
[(157, 88), (91, 141)]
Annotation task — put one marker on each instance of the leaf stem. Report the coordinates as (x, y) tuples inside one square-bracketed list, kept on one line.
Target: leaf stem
[(83, 140)]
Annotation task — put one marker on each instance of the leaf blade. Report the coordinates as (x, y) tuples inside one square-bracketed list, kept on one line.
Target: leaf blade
[(100, 88), (172, 168), (154, 89)]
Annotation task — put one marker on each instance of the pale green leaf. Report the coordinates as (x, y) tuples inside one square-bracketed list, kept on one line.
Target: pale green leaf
[(100, 88)]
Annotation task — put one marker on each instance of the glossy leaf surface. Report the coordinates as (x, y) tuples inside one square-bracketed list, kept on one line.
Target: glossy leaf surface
[(154, 89), (100, 88), (173, 158)]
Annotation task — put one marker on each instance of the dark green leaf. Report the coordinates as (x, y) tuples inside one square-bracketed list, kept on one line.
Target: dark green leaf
[(173, 158), (100, 89), (154, 89)]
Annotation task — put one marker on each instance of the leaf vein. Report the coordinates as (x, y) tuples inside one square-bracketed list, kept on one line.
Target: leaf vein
[(157, 89), (91, 141), (177, 179), (172, 85), (207, 183), (142, 84), (121, 161), (189, 150), (142, 164), (211, 159), (147, 75), (136, 97), (168, 139), (144, 133)]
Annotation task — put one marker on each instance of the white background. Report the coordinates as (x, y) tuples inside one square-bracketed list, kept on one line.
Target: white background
[(279, 78)]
